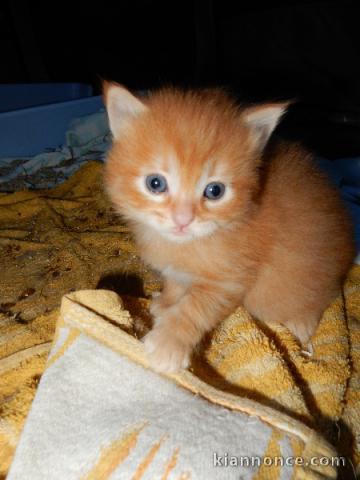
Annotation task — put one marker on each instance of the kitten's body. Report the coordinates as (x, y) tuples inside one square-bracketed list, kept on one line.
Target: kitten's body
[(280, 242)]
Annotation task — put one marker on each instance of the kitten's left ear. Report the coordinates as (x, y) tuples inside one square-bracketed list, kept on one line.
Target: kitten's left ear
[(121, 105), (262, 120)]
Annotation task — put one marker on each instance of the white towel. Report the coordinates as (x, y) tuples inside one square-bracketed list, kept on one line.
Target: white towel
[(100, 413)]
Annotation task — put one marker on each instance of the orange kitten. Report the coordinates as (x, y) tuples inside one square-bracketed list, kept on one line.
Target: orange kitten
[(226, 218)]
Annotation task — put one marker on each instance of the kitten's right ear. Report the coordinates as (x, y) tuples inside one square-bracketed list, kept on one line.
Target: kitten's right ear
[(121, 105)]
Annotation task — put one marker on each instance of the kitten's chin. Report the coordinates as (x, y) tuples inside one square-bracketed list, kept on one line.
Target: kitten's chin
[(201, 231), (177, 237)]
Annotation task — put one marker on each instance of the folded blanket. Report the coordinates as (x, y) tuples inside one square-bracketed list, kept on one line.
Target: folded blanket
[(55, 241), (99, 413)]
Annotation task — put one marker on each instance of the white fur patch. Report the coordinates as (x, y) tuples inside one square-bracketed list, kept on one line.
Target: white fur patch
[(179, 277), (174, 175)]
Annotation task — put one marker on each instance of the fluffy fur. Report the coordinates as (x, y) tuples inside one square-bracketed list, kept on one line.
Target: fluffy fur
[(279, 241)]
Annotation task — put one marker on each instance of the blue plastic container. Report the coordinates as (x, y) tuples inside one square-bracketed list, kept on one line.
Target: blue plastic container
[(17, 96), (27, 130)]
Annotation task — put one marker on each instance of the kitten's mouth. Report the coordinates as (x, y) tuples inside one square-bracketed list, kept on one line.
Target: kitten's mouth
[(180, 231), (178, 234)]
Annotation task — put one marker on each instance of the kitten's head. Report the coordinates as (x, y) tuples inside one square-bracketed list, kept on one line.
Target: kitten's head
[(184, 164)]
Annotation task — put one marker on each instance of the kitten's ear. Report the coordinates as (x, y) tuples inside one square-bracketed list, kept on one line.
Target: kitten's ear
[(262, 120), (121, 105)]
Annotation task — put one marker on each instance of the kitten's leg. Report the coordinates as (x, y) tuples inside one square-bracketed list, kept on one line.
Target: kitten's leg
[(303, 328), (171, 294), (298, 302), (181, 326)]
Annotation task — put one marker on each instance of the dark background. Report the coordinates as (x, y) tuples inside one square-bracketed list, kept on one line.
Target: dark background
[(261, 50)]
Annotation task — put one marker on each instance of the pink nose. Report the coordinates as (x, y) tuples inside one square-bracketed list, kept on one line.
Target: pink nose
[(183, 216)]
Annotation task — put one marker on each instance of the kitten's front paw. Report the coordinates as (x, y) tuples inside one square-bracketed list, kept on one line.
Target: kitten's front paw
[(166, 352)]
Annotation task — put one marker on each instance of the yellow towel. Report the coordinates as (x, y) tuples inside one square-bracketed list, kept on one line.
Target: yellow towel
[(69, 238)]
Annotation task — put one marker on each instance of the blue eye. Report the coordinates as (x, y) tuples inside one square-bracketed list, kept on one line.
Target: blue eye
[(156, 183), (214, 190)]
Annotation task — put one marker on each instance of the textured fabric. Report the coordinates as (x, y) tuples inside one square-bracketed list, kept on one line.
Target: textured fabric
[(99, 412)]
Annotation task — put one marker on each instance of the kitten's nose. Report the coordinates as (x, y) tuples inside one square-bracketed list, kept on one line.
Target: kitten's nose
[(183, 215)]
